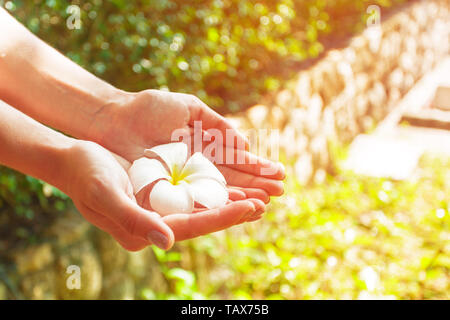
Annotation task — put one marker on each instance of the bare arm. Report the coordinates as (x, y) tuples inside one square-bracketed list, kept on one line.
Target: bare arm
[(89, 174), (42, 83), (99, 186), (47, 86), (29, 147)]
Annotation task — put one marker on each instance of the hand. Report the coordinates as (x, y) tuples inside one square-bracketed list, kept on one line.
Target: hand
[(97, 182), (148, 118), (124, 123)]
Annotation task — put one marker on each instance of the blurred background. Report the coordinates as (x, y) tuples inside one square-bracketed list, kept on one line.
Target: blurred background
[(359, 92)]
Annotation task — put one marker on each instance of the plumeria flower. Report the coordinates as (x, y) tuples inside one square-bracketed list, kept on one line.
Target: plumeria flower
[(179, 183)]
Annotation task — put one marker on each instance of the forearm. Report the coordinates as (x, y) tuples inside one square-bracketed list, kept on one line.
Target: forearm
[(47, 86), (32, 148)]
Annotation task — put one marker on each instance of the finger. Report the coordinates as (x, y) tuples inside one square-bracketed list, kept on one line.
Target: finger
[(254, 193), (260, 208), (272, 186), (248, 162), (255, 218), (239, 159), (127, 241), (241, 179), (137, 221), (244, 218), (236, 194), (210, 119), (187, 226), (122, 161)]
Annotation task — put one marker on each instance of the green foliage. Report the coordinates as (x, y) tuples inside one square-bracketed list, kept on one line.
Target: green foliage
[(184, 285), (227, 52), (23, 201), (20, 192), (352, 237)]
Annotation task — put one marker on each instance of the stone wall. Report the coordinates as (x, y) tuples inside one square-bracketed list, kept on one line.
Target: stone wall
[(346, 92), (351, 89)]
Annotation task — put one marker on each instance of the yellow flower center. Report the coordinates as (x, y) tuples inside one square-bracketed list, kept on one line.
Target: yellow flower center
[(177, 175)]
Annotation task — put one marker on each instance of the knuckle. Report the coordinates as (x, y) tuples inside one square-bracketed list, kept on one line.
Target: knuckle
[(194, 100), (128, 223), (190, 231)]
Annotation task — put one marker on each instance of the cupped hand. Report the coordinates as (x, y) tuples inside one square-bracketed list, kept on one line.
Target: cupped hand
[(99, 186), (148, 118)]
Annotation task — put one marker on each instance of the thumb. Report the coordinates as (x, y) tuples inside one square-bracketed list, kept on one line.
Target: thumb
[(142, 223)]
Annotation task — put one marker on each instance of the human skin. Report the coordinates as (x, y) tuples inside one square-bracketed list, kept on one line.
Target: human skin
[(61, 94), (48, 87), (97, 182)]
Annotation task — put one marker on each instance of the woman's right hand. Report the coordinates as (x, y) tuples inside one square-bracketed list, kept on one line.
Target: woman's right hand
[(99, 186)]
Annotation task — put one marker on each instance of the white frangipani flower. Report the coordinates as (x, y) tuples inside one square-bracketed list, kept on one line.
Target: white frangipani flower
[(180, 182)]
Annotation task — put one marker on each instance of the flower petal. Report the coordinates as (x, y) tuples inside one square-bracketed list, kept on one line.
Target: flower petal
[(144, 171), (173, 154), (166, 198), (209, 192), (199, 166)]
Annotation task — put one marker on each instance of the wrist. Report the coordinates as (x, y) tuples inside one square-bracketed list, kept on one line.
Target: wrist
[(115, 123), (106, 116), (55, 161), (32, 148), (59, 93), (71, 161)]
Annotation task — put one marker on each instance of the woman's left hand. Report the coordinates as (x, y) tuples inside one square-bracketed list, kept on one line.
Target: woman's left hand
[(151, 117)]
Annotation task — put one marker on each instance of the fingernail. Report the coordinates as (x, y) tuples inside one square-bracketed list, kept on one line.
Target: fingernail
[(158, 239)]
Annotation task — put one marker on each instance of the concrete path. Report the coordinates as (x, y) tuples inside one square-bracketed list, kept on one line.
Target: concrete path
[(393, 150)]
